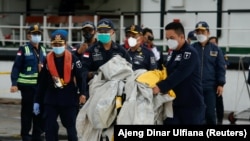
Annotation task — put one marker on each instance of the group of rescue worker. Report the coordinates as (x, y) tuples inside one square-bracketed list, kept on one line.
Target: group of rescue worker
[(53, 84)]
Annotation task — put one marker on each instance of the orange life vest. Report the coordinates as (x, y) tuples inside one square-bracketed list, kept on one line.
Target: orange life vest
[(67, 66)]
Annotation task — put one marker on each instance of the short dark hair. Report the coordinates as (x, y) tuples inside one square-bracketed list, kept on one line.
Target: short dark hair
[(213, 37), (145, 30), (177, 27)]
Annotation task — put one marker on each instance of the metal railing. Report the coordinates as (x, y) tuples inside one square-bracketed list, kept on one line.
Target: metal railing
[(18, 31)]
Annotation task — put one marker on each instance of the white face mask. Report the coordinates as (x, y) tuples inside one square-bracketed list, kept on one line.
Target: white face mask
[(201, 38), (36, 38), (132, 42), (172, 44)]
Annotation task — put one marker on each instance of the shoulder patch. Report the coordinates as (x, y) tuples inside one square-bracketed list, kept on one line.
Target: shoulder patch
[(78, 64), (187, 55)]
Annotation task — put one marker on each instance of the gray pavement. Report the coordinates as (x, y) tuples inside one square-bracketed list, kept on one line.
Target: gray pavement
[(10, 121)]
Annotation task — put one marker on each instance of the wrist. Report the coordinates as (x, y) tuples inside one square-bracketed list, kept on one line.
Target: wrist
[(82, 48)]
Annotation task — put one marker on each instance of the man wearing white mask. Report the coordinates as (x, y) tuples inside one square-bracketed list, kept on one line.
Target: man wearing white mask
[(27, 65), (141, 56), (212, 70), (183, 69)]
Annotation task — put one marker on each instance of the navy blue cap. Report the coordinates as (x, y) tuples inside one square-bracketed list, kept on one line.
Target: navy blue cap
[(127, 29), (105, 24), (59, 36), (202, 25), (88, 24), (135, 29), (191, 35), (34, 28)]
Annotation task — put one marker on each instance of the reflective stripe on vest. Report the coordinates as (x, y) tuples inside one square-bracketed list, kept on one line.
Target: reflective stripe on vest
[(27, 50), (44, 51), (27, 78)]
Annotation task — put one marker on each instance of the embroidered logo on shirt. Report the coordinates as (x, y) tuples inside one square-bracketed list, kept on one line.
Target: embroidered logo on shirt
[(178, 57), (213, 53), (96, 50), (187, 55), (78, 64)]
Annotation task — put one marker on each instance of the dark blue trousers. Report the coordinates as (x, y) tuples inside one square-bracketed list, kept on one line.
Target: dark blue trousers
[(29, 121), (187, 116), (219, 109), (210, 101), (67, 116)]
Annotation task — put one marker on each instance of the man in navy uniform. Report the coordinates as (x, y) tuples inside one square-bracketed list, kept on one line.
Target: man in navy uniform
[(59, 82), (219, 99), (183, 69), (88, 33), (28, 63), (213, 71), (103, 50), (148, 42), (142, 57)]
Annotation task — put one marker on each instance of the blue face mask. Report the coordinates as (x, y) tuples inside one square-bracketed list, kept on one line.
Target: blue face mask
[(58, 50), (103, 37), (36, 38)]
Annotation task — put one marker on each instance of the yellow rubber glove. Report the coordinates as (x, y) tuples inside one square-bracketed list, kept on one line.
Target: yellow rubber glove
[(151, 78)]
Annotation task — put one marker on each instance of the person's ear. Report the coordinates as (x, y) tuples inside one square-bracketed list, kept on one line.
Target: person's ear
[(182, 36)]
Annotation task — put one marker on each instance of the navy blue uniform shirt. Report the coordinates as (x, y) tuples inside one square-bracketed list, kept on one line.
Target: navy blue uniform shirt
[(212, 64), (183, 69), (143, 58), (95, 56)]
